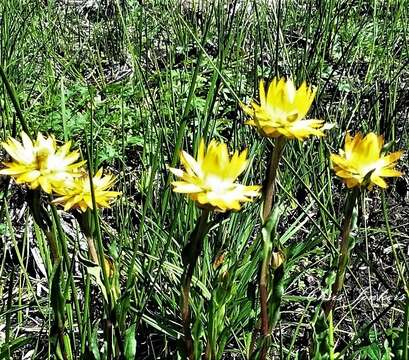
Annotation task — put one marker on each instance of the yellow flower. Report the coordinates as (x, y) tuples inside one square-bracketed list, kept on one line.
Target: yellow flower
[(282, 111), (78, 193), (41, 162), (209, 180), (362, 163)]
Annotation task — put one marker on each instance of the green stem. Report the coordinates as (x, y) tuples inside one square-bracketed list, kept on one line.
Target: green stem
[(268, 194), (277, 295), (399, 267), (344, 251), (405, 355), (87, 333), (68, 263), (209, 353), (270, 186), (110, 322), (42, 219), (265, 329), (331, 336), (53, 245), (190, 255), (270, 314)]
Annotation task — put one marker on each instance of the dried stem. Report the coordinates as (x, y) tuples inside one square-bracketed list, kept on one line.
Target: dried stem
[(92, 250), (86, 223)]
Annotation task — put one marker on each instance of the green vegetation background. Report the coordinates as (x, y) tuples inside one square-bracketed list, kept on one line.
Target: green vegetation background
[(138, 81)]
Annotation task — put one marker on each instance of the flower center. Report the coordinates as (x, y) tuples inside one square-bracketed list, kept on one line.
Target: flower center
[(42, 159), (217, 184), (280, 117), (365, 169)]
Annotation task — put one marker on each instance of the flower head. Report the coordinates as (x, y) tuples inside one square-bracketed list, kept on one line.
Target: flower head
[(282, 111), (41, 162), (209, 180), (78, 193), (362, 163)]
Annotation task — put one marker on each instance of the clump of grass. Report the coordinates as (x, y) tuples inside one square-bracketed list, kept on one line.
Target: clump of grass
[(106, 283)]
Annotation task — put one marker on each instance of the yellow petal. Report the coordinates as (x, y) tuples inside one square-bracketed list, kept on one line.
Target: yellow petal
[(27, 143), (262, 93), (290, 90), (389, 173), (392, 157), (282, 110), (84, 206), (190, 163), (378, 181), (344, 174), (183, 187), (45, 185), (352, 182), (177, 172), (201, 151), (28, 177), (247, 109)]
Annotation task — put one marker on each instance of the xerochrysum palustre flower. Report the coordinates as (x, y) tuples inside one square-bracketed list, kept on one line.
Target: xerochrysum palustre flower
[(281, 111), (362, 163), (41, 163), (78, 193), (209, 180)]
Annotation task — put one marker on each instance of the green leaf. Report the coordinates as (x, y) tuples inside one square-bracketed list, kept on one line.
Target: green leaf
[(96, 351), (130, 343), (95, 271), (14, 345)]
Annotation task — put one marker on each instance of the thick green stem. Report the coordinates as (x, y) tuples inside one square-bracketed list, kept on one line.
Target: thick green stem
[(271, 175), (277, 295), (53, 246), (331, 336), (44, 222), (42, 219), (190, 255), (268, 194), (69, 264), (209, 353), (86, 223), (344, 250), (265, 328), (405, 355)]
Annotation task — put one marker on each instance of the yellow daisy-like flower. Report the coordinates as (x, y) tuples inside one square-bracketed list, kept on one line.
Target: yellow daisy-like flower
[(209, 180), (362, 163), (282, 111), (41, 163), (78, 194)]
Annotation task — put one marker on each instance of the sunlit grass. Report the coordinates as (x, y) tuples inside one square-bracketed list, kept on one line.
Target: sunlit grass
[(132, 86)]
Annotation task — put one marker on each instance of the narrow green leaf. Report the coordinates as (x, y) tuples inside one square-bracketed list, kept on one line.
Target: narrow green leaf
[(130, 343)]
